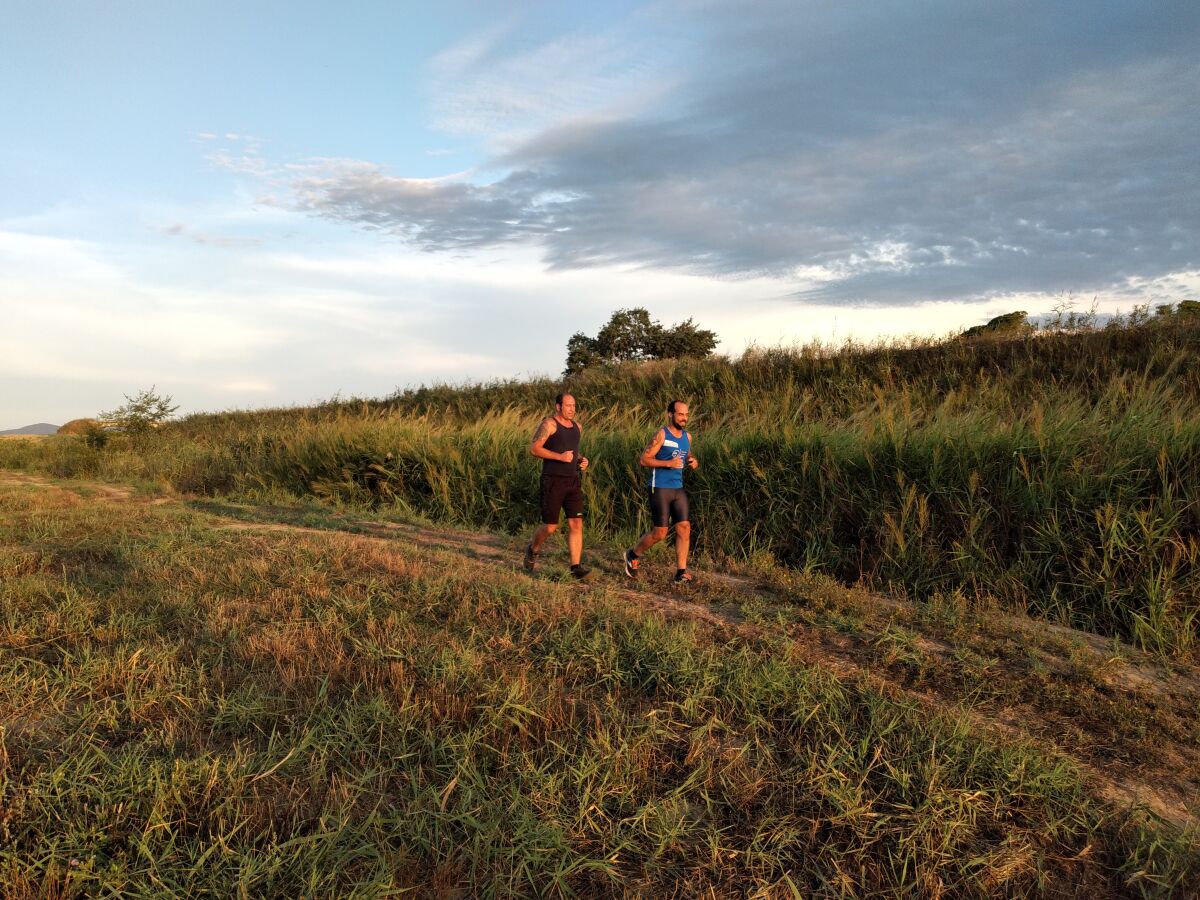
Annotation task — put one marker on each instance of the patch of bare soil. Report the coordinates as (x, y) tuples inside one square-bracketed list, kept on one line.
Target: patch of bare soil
[(18, 478), (111, 493)]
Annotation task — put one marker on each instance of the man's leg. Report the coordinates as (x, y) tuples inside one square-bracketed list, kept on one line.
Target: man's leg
[(683, 538), (575, 539), (535, 545), (550, 506), (650, 538), (539, 536), (660, 517)]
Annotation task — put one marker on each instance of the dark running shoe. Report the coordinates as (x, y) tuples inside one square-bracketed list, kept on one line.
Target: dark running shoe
[(631, 568), (530, 559), (580, 573), (683, 576)]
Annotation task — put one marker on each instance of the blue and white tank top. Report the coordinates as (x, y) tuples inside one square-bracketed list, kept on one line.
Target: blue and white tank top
[(672, 448)]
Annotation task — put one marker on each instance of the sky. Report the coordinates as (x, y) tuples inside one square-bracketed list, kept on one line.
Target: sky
[(249, 204)]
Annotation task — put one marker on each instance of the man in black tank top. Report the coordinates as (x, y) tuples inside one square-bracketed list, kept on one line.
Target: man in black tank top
[(556, 444)]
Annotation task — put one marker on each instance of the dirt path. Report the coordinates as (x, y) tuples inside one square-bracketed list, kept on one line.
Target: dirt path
[(1047, 706)]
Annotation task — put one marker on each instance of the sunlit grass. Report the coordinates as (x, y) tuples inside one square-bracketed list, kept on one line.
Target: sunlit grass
[(193, 710), (1055, 474)]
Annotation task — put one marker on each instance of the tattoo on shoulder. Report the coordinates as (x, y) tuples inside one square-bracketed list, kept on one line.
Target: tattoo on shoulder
[(544, 430)]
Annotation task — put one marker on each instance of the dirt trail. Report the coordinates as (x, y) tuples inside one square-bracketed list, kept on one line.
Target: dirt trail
[(1170, 788)]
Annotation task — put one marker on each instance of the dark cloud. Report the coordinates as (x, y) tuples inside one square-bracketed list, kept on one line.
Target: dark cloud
[(917, 151), (434, 215)]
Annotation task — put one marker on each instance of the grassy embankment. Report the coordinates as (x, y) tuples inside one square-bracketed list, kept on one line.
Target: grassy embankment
[(1055, 474), (197, 711)]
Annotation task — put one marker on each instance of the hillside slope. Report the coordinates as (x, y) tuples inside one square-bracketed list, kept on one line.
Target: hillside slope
[(1055, 474), (289, 699), (39, 428)]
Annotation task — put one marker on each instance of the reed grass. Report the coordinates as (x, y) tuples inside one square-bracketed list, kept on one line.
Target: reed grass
[(1058, 474)]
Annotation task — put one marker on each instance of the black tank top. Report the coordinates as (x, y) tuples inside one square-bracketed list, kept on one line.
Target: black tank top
[(564, 438)]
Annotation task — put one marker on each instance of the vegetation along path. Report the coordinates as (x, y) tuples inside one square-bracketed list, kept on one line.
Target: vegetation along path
[(1125, 723)]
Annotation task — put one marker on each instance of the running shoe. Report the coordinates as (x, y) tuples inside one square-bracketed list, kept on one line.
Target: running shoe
[(580, 573), (683, 576), (631, 564), (530, 559)]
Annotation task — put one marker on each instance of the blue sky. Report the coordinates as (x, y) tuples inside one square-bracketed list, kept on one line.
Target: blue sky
[(259, 204)]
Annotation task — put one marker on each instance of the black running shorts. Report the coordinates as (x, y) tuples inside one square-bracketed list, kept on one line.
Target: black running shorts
[(561, 492), (668, 505)]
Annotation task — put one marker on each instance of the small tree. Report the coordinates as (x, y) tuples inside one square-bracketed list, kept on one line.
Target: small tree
[(95, 436), (1007, 325), (582, 352), (631, 335), (141, 413), (686, 339)]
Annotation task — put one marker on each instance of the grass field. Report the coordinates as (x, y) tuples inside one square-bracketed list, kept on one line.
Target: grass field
[(945, 642), (214, 698), (1054, 474)]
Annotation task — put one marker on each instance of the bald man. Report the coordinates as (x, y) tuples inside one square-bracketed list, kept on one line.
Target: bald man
[(556, 444)]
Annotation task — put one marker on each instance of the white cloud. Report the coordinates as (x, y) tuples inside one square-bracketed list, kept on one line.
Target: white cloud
[(66, 258), (501, 89), (248, 387)]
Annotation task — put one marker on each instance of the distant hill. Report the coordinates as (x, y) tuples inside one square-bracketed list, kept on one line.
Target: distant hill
[(39, 428)]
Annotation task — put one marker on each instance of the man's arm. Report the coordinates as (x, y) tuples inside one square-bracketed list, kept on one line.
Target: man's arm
[(540, 437), (647, 458), (691, 457), (583, 460)]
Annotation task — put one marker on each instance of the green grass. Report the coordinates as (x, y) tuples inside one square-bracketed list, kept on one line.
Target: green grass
[(192, 710), (1053, 474)]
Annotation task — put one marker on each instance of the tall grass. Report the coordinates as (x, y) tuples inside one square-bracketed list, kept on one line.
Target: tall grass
[(1058, 474), (808, 384)]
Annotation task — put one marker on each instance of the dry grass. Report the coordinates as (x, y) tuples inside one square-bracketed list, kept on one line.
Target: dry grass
[(293, 708), (1055, 474)]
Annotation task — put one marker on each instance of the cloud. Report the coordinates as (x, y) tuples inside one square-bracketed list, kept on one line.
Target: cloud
[(900, 152), (213, 240), (435, 214), (239, 153), (248, 387), (503, 82)]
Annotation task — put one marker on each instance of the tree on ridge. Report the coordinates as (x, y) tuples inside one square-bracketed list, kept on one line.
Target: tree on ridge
[(631, 334)]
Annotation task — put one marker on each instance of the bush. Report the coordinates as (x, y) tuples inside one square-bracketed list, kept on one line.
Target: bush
[(78, 426), (1007, 325), (141, 413), (95, 435)]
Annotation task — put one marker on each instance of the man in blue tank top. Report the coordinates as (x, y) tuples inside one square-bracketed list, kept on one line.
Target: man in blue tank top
[(666, 456), (556, 444)]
